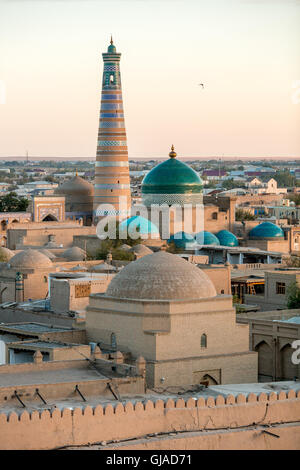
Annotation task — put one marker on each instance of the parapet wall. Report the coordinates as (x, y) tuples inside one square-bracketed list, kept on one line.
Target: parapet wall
[(49, 430)]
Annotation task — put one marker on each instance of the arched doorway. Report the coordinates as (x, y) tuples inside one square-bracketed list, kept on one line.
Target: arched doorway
[(265, 359), (208, 380), (3, 225), (49, 218), (288, 370)]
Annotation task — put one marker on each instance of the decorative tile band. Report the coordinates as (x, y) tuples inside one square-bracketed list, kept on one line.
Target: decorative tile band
[(111, 67), (111, 115), (108, 164), (171, 199), (111, 97), (107, 106), (112, 186), (120, 143), (111, 124)]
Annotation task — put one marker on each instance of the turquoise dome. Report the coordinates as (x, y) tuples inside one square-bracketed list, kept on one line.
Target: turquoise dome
[(266, 230), (207, 238), (170, 179), (111, 49), (227, 238), (183, 240), (139, 224)]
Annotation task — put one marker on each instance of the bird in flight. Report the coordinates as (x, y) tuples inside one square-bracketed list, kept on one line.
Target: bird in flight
[(201, 84)]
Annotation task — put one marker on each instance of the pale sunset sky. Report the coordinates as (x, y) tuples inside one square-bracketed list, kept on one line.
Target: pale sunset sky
[(245, 52)]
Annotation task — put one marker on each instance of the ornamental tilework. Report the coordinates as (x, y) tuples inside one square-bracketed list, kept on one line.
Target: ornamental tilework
[(112, 144)]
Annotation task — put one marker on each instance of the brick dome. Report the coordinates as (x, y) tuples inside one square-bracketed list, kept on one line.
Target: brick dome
[(161, 276), (30, 259)]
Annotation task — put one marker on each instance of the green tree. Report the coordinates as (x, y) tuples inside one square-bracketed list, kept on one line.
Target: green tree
[(114, 246), (285, 179), (11, 202), (241, 215), (172, 248), (293, 296), (293, 262), (229, 184), (295, 198)]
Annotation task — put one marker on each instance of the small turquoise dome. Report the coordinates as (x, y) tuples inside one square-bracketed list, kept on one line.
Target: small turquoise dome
[(227, 238), (207, 238), (182, 240), (139, 224), (111, 48), (266, 230)]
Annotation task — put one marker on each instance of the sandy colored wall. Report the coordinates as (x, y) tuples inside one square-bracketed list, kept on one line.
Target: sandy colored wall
[(281, 246), (40, 236), (47, 430)]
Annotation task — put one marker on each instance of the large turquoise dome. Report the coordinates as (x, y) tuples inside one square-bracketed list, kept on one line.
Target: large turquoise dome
[(183, 240), (139, 224), (207, 238), (266, 230), (172, 182), (227, 238)]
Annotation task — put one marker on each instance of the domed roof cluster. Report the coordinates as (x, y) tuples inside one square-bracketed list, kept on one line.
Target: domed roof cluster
[(169, 180), (30, 259), (75, 185), (139, 224), (227, 238), (74, 254), (187, 241), (161, 276), (266, 230)]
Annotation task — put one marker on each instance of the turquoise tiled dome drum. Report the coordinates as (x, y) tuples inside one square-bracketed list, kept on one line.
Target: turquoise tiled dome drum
[(182, 240), (172, 182), (227, 238), (139, 224), (206, 238), (266, 230)]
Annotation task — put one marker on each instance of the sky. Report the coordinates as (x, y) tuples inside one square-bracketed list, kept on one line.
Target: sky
[(245, 52)]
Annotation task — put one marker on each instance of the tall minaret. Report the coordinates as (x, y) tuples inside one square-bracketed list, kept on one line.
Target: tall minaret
[(112, 168)]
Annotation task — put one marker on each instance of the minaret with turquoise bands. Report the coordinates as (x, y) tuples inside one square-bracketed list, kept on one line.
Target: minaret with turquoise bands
[(112, 168)]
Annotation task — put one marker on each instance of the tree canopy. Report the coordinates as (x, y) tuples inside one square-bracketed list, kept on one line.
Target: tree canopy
[(285, 179), (241, 215), (293, 296), (11, 202)]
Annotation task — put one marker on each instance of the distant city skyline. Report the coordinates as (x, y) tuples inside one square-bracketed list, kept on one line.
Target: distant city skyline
[(245, 53)]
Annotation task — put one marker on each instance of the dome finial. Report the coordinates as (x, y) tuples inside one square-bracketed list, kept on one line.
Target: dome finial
[(111, 39), (172, 154)]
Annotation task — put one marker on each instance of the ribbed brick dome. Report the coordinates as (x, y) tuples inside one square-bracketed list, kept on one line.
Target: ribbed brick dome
[(30, 259), (161, 276)]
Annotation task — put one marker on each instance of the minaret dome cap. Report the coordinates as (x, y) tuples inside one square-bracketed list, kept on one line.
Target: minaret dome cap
[(111, 48), (172, 154)]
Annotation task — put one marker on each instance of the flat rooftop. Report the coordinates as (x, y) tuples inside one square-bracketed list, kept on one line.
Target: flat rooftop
[(194, 391), (283, 315), (32, 327)]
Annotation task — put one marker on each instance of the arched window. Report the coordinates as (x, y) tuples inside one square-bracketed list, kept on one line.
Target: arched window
[(203, 341), (113, 341)]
